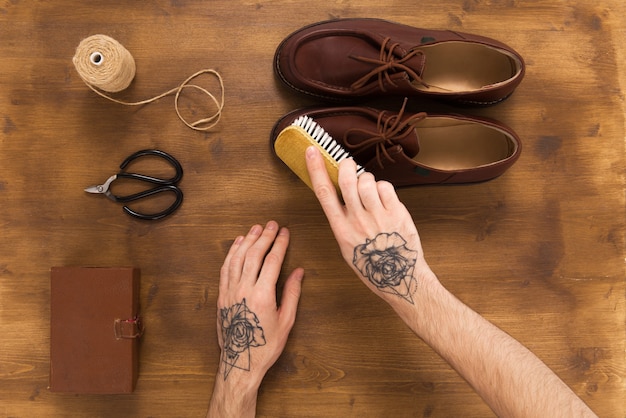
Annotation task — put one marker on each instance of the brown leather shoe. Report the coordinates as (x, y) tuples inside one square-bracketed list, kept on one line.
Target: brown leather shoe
[(358, 58), (409, 149)]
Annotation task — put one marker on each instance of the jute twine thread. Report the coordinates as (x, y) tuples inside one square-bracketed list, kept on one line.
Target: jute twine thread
[(106, 66)]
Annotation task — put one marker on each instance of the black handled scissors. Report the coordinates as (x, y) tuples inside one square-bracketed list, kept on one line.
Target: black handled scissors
[(163, 185)]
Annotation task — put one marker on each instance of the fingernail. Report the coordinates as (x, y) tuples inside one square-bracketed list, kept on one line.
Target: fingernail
[(271, 225), (255, 230), (238, 240), (311, 152), (283, 231)]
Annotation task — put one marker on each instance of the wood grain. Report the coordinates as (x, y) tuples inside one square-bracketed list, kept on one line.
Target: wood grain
[(538, 251)]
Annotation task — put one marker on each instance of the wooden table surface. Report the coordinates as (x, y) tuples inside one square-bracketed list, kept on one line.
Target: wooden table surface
[(539, 251)]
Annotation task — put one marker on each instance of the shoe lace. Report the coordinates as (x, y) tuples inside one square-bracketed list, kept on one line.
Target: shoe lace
[(385, 63), (389, 130)]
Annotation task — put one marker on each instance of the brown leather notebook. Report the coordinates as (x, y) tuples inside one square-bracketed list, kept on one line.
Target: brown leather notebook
[(94, 329)]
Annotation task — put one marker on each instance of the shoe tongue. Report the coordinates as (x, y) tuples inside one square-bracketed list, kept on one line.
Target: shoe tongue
[(417, 63), (410, 143), (357, 69), (407, 137)]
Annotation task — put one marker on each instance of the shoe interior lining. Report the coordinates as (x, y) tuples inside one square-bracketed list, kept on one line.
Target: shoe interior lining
[(460, 67), (449, 144)]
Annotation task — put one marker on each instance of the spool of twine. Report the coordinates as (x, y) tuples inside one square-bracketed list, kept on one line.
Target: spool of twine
[(107, 67), (104, 63)]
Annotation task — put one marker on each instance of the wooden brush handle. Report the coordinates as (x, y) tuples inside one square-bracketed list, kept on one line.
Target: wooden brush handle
[(291, 145)]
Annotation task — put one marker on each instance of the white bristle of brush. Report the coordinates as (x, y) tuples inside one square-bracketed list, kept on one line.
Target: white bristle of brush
[(332, 147)]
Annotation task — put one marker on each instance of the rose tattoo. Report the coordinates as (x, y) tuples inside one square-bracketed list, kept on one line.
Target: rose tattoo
[(240, 331), (388, 264)]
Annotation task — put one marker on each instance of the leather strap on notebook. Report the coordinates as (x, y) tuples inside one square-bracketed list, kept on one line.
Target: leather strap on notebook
[(128, 328)]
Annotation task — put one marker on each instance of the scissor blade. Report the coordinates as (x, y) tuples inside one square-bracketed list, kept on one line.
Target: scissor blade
[(101, 188), (94, 189)]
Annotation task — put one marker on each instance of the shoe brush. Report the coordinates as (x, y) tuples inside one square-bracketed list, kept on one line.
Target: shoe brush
[(292, 142)]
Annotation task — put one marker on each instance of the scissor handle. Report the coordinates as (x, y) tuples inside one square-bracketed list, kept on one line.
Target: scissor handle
[(158, 153), (146, 193)]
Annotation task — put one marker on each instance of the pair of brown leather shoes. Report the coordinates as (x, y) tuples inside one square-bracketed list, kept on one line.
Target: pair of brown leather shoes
[(350, 59)]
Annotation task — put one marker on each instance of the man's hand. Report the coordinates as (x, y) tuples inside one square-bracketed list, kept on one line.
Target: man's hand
[(375, 231), (252, 329)]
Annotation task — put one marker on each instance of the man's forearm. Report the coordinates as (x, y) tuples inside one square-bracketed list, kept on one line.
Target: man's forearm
[(233, 399), (510, 378)]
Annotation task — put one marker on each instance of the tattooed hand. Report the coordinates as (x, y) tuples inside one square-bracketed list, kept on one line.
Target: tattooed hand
[(240, 331), (375, 231), (252, 329), (388, 264)]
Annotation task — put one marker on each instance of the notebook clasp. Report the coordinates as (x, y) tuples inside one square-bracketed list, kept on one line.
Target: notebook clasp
[(128, 328)]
